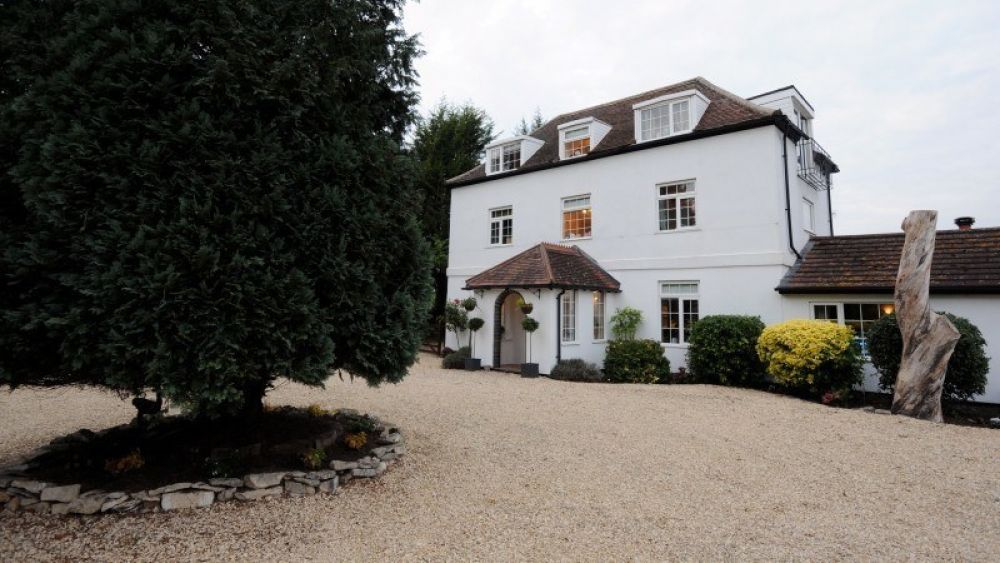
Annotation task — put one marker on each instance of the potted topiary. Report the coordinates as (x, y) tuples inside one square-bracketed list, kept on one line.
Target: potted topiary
[(469, 304), (529, 369), (456, 320), (473, 363), (525, 307)]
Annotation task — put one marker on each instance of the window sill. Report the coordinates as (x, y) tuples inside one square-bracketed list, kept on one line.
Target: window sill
[(679, 230), (508, 245), (574, 343), (601, 341), (674, 345), (576, 239)]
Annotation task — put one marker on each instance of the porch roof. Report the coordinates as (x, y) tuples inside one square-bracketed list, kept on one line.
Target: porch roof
[(547, 266)]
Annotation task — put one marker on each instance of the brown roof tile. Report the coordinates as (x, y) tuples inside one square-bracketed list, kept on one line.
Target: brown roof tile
[(726, 109), (547, 265), (963, 262)]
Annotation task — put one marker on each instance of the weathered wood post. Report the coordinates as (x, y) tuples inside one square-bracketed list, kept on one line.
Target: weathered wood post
[(928, 338)]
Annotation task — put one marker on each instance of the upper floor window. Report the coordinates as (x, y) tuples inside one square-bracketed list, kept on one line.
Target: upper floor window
[(576, 217), (502, 226), (808, 215), (576, 142), (568, 316), (504, 158), (675, 205), (678, 311), (664, 119)]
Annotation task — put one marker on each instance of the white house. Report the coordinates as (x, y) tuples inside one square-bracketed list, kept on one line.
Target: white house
[(683, 201)]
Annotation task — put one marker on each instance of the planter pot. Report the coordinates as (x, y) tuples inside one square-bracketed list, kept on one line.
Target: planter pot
[(473, 364), (529, 370), (527, 308)]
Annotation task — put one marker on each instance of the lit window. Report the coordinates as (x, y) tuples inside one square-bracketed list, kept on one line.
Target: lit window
[(808, 215), (858, 316), (576, 142), (576, 217), (568, 314), (598, 315), (502, 225), (678, 311), (504, 158), (676, 206), (664, 119)]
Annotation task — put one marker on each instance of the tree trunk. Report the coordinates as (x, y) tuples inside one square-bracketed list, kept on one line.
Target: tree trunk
[(928, 338)]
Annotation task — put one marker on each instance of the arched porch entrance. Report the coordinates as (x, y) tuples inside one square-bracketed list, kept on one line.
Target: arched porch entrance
[(508, 334)]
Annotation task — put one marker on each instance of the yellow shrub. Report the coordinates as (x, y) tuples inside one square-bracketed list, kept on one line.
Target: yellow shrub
[(316, 410), (356, 441), (117, 466), (816, 355)]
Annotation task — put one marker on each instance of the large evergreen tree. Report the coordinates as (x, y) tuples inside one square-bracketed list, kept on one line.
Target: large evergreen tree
[(448, 142), (197, 197)]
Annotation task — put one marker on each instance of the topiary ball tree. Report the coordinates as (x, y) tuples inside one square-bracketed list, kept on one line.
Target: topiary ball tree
[(199, 197), (967, 368), (723, 349)]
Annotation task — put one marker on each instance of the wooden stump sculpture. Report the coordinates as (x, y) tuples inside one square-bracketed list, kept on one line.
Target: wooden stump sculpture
[(928, 338)]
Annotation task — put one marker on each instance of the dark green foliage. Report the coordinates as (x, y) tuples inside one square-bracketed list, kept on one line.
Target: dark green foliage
[(576, 370), (456, 360), (529, 324), (967, 368), (525, 127), (476, 323), (723, 350), (199, 197), (456, 319), (636, 361)]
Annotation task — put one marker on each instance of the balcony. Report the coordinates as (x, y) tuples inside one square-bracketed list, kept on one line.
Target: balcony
[(815, 164)]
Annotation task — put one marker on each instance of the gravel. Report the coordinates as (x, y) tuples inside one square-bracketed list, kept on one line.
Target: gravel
[(500, 467)]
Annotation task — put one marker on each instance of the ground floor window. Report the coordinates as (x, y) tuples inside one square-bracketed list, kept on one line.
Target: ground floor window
[(568, 314), (598, 315), (858, 316), (678, 311)]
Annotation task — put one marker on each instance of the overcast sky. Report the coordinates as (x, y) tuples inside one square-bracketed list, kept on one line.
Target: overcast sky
[(907, 94)]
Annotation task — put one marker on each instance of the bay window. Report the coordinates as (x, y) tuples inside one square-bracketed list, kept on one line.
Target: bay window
[(598, 315), (568, 316)]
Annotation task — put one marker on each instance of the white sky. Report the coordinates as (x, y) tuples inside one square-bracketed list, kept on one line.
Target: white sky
[(907, 94)]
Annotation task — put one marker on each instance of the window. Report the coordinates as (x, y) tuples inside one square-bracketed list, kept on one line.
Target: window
[(664, 120), (598, 315), (859, 316), (678, 311), (576, 142), (502, 226), (568, 315), (504, 158), (676, 206), (808, 215), (826, 313), (576, 217)]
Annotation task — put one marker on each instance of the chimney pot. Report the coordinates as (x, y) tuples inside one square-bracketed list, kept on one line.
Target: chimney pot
[(965, 223)]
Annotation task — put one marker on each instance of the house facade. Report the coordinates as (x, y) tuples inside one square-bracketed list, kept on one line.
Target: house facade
[(682, 202)]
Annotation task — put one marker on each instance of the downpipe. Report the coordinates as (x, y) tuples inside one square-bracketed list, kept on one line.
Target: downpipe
[(788, 194), (559, 326)]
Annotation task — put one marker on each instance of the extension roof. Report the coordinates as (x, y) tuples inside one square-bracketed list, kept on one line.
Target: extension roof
[(726, 112), (963, 262), (547, 266)]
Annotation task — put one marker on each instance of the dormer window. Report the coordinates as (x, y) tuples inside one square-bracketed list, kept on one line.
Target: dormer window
[(505, 157), (668, 115), (509, 154), (577, 138), (576, 142)]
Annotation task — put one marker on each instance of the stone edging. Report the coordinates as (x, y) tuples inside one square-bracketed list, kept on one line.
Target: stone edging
[(20, 493)]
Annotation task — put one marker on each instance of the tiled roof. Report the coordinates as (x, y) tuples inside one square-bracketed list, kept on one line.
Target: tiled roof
[(724, 110), (963, 262), (547, 265)]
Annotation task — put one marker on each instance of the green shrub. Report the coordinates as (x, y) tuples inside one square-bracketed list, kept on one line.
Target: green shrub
[(576, 370), (723, 349), (456, 360), (967, 368), (636, 361), (811, 356), (625, 323)]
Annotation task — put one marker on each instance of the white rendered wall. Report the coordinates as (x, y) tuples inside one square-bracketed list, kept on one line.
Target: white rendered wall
[(982, 310)]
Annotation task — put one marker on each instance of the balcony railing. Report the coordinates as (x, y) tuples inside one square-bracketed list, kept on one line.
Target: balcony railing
[(815, 164)]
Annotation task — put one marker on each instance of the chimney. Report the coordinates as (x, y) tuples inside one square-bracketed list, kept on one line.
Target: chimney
[(965, 223)]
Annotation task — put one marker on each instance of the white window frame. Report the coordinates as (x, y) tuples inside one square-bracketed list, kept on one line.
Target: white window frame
[(564, 138), (842, 320), (672, 128), (679, 290), (498, 222), (496, 160), (808, 215), (588, 209), (600, 303), (567, 317), (690, 193)]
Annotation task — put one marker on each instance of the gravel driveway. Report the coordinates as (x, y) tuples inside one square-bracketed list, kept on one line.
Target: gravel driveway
[(504, 468)]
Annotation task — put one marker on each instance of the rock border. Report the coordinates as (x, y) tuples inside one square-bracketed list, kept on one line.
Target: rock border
[(18, 492)]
